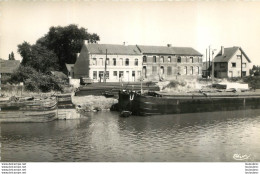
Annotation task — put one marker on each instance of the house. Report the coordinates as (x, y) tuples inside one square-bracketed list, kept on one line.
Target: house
[(7, 67), (123, 62), (167, 62), (227, 63)]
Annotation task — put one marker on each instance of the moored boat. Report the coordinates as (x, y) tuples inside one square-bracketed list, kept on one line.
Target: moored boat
[(158, 103), (28, 110)]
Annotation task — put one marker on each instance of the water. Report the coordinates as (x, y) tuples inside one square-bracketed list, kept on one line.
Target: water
[(104, 136)]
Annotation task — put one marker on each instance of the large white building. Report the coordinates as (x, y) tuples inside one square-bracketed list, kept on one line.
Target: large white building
[(130, 63), (123, 63)]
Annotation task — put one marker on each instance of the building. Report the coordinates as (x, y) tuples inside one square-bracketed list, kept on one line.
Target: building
[(131, 63), (167, 62), (227, 63), (7, 67), (123, 62)]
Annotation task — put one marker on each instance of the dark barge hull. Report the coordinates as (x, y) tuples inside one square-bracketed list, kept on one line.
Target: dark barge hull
[(158, 104)]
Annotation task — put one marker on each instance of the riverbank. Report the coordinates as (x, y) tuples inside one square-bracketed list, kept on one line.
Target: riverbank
[(93, 103)]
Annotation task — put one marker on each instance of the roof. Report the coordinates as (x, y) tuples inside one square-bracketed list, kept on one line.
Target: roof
[(228, 54), (112, 49), (186, 51), (8, 66), (155, 49), (69, 66)]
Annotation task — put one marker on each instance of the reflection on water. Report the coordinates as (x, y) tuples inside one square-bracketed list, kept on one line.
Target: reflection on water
[(105, 136)]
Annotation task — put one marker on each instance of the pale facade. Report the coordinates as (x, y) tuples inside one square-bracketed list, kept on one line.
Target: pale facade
[(123, 63), (131, 63), (126, 68), (228, 63)]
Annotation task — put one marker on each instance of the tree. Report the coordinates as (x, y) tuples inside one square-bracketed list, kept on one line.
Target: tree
[(255, 71), (38, 57), (11, 56), (66, 42)]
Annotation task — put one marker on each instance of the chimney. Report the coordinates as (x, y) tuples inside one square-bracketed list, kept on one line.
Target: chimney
[(125, 43), (222, 50), (169, 45)]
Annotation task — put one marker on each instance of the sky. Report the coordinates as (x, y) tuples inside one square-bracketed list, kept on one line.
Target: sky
[(181, 23)]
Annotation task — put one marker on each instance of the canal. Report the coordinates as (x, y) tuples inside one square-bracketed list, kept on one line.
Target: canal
[(106, 137)]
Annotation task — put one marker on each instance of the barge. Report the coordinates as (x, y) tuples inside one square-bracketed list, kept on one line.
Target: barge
[(159, 103), (28, 110)]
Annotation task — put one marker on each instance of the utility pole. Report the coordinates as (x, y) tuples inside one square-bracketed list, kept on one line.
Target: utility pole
[(105, 73), (206, 63), (241, 63), (213, 74), (209, 61)]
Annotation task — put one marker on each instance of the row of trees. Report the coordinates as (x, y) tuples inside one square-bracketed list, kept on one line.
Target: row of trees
[(11, 56), (50, 53)]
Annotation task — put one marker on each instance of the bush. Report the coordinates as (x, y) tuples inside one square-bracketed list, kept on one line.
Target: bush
[(253, 81), (35, 81), (174, 84)]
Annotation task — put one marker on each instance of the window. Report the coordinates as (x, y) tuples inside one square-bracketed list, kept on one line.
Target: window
[(169, 59), (94, 61), (144, 59), (107, 74), (238, 56), (154, 69), (191, 59), (222, 65), (114, 61), (94, 74), (198, 70), (100, 74), (161, 59), (233, 65), (115, 73), (136, 62), (154, 59), (191, 70), (133, 73), (121, 74), (169, 70), (101, 61), (179, 60), (243, 65), (126, 62), (185, 70), (107, 61), (144, 71), (162, 70)]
